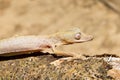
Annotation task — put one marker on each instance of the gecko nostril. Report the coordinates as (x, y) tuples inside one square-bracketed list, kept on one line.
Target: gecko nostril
[(91, 37)]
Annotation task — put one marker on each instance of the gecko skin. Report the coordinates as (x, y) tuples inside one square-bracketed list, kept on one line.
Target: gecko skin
[(25, 44)]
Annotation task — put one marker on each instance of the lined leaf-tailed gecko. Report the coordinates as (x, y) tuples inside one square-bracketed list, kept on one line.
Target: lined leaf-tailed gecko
[(25, 44)]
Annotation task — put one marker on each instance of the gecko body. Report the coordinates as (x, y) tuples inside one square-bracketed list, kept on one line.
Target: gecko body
[(25, 44)]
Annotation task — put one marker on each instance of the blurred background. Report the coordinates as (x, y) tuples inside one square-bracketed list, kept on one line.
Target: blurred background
[(100, 18)]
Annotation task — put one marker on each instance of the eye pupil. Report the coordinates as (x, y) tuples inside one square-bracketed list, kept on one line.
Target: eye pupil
[(77, 36)]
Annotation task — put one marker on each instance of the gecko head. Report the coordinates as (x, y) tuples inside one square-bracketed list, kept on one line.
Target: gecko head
[(74, 36)]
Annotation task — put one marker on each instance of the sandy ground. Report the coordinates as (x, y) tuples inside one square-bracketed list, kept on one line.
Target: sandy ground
[(42, 17)]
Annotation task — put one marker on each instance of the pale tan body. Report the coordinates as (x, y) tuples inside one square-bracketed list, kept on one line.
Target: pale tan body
[(26, 44)]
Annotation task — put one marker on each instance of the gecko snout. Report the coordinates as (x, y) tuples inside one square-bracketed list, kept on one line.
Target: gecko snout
[(86, 38), (90, 37)]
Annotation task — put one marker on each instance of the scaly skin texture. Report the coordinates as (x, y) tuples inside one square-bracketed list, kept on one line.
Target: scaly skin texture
[(25, 44)]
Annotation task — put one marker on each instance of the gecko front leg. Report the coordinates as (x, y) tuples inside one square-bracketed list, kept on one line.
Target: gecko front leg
[(69, 56)]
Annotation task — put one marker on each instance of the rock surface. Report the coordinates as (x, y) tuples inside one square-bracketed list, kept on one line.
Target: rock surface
[(37, 67)]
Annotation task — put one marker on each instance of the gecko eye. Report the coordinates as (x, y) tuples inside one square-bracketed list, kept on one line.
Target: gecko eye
[(78, 36)]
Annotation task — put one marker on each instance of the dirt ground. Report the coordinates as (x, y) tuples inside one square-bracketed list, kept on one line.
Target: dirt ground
[(42, 17)]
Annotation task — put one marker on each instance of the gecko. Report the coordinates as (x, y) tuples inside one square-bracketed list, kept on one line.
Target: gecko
[(26, 44)]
